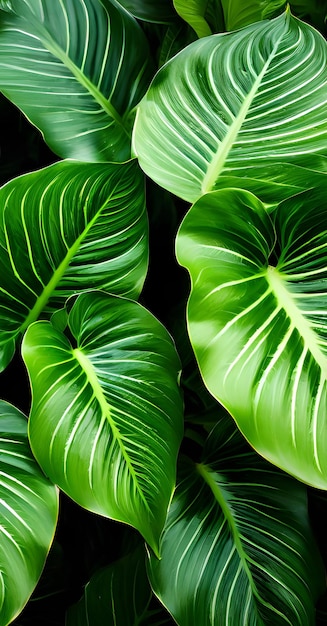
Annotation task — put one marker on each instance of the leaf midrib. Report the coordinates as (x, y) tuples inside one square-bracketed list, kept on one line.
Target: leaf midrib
[(90, 372), (278, 284), (53, 47), (217, 163), (209, 477), (57, 275)]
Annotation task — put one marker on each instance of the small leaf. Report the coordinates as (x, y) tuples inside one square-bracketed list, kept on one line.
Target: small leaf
[(28, 515), (237, 547), (106, 418), (257, 320), (65, 229), (235, 101), (160, 12), (117, 594)]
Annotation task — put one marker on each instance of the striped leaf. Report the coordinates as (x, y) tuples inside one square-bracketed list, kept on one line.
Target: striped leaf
[(119, 594), (257, 320), (116, 594), (235, 101), (65, 229), (28, 515), (237, 548), (106, 417), (76, 68)]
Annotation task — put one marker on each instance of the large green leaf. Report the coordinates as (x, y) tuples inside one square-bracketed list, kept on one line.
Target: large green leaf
[(106, 417), (237, 548), (232, 101), (257, 320), (64, 229), (76, 68), (28, 515)]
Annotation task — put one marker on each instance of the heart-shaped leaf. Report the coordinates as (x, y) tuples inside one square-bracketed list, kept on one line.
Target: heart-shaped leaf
[(64, 229), (28, 515), (106, 417), (237, 547), (233, 101), (76, 68), (257, 320)]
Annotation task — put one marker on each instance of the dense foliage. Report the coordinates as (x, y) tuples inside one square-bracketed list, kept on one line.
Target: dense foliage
[(163, 305)]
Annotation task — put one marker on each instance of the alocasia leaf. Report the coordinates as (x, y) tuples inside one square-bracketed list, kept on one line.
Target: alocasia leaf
[(251, 98), (257, 320), (65, 229), (106, 418), (76, 68), (237, 547), (28, 515)]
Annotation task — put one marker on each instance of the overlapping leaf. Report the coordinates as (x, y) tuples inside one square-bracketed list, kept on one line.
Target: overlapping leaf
[(237, 547), (257, 320), (64, 229), (76, 68), (160, 12), (119, 594), (28, 515), (228, 102), (106, 418)]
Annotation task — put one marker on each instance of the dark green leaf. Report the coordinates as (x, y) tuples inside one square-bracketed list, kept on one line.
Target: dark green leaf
[(237, 547), (76, 68), (65, 229)]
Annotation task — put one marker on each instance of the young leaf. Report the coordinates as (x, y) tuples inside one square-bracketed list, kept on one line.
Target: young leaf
[(28, 515), (233, 101), (257, 320), (76, 68), (237, 547), (64, 229), (106, 417), (193, 12)]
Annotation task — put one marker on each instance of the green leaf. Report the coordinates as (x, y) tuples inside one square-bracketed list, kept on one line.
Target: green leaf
[(204, 16), (116, 594), (257, 320), (106, 417), (193, 12), (237, 547), (233, 101), (76, 68), (28, 515), (160, 12), (65, 229)]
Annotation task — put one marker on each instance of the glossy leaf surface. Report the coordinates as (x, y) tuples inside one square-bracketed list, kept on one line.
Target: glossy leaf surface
[(193, 12), (64, 229), (28, 515), (76, 68), (237, 547), (232, 101), (257, 320), (161, 11), (106, 417)]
